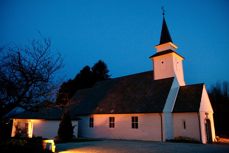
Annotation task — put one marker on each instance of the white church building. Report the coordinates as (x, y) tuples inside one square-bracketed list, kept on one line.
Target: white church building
[(155, 105)]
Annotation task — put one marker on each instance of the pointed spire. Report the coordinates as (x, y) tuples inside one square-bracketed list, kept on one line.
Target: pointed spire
[(165, 36)]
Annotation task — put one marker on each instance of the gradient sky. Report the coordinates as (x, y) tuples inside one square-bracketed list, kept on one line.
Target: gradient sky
[(123, 33)]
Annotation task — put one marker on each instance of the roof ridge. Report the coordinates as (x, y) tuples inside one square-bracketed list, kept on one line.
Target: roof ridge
[(193, 84), (134, 74), (120, 77)]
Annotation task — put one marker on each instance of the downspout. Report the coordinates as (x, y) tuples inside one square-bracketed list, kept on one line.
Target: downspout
[(198, 114), (161, 127)]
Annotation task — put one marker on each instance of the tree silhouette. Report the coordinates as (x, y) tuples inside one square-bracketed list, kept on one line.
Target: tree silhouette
[(86, 78), (219, 96), (27, 74), (100, 71)]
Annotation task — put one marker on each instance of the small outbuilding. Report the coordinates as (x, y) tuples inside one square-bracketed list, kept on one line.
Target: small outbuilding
[(43, 123)]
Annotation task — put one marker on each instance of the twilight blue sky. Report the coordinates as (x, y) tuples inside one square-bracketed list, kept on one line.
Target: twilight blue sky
[(123, 33)]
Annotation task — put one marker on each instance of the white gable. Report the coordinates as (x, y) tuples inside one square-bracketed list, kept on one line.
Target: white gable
[(205, 104)]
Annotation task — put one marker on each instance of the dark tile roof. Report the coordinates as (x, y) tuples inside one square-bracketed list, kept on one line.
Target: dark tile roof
[(188, 98), (138, 93), (165, 52), (52, 113)]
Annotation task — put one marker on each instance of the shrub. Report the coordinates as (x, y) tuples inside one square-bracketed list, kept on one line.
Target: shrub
[(184, 140), (26, 145), (65, 131)]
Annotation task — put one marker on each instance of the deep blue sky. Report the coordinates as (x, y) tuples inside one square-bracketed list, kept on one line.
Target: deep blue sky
[(123, 33)]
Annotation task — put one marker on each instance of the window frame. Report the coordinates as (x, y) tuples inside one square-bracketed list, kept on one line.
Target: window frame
[(91, 122), (134, 122), (111, 122), (184, 125)]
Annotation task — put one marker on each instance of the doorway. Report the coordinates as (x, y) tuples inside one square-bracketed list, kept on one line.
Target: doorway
[(208, 130)]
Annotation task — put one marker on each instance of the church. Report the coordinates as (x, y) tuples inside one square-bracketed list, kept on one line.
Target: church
[(155, 105)]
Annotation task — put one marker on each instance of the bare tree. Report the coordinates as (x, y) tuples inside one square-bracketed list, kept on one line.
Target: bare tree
[(27, 73)]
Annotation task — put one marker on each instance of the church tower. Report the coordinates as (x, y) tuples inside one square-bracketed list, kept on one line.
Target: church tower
[(167, 62)]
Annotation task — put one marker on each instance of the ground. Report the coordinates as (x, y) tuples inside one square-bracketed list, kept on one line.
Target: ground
[(121, 146), (224, 140)]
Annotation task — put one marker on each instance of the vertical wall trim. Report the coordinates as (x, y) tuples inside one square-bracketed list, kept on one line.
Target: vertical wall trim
[(198, 114), (161, 127)]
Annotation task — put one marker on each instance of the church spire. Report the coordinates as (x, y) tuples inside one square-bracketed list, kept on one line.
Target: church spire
[(165, 35), (166, 41), (167, 62)]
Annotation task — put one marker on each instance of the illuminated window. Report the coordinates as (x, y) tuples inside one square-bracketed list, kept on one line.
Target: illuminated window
[(134, 122), (111, 122), (184, 124), (91, 122), (22, 129)]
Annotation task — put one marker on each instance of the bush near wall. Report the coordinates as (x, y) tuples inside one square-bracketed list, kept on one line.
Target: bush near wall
[(5, 130), (183, 139), (27, 145)]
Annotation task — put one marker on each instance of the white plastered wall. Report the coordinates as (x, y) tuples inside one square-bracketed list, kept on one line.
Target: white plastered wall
[(168, 65), (163, 66), (43, 128), (149, 127), (206, 112), (191, 127), (178, 69)]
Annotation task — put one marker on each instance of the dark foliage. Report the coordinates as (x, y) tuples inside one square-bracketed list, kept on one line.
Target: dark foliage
[(219, 96), (65, 131), (183, 140), (28, 145), (5, 130), (86, 78), (100, 71)]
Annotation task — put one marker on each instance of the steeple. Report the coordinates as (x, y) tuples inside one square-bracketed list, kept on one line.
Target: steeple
[(166, 42), (165, 35), (167, 62)]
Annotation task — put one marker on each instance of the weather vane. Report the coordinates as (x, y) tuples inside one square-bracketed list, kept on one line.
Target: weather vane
[(163, 10)]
